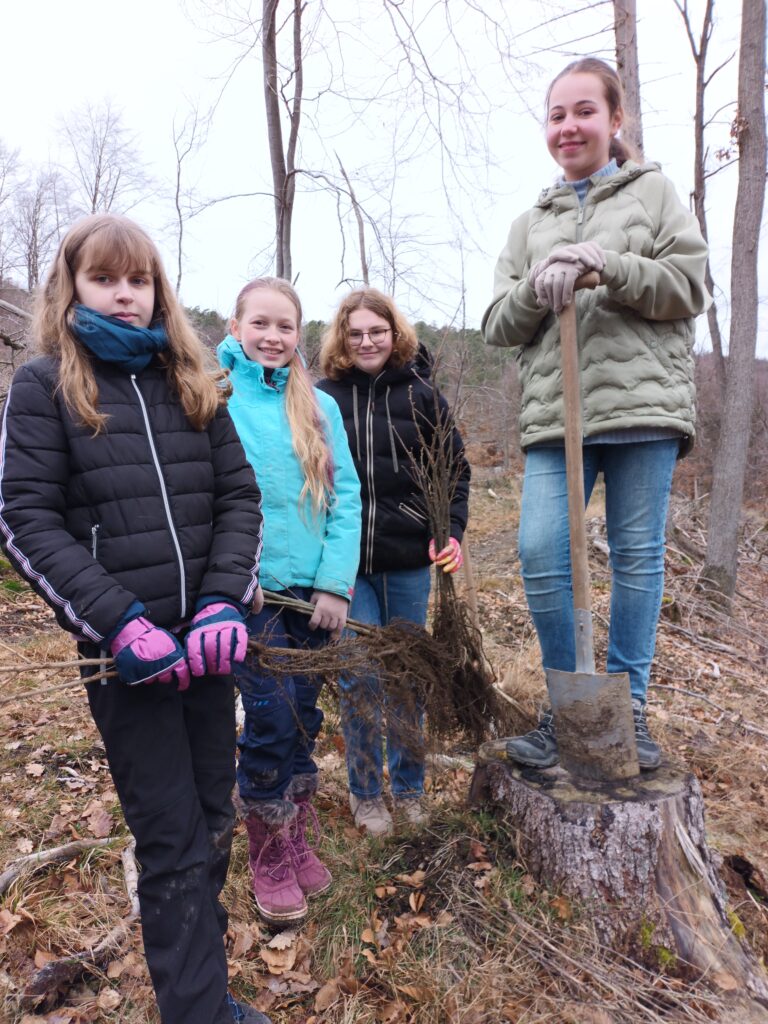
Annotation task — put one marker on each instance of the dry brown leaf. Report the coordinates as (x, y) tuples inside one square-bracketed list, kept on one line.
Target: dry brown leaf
[(109, 999), (385, 890), (562, 907), (415, 880), (34, 769), (283, 940), (242, 936), (370, 956), (443, 918), (416, 901), (327, 995), (417, 992), (43, 957), (480, 865), (528, 885), (477, 850), (368, 935), (24, 845), (391, 1013), (99, 822), (8, 921), (278, 960)]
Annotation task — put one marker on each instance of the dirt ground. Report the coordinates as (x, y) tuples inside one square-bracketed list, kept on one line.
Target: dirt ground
[(443, 926)]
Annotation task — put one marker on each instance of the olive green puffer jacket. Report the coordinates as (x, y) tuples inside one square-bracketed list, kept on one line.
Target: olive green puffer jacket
[(635, 329)]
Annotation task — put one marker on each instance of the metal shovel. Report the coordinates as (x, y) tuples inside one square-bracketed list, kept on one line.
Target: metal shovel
[(593, 712)]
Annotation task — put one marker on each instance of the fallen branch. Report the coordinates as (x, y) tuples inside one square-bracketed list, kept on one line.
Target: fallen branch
[(734, 719), (34, 861)]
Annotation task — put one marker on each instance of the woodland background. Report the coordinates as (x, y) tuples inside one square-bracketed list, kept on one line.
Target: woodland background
[(447, 926)]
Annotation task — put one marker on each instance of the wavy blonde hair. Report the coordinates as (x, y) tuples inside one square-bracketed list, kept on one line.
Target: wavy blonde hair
[(302, 408), (335, 354), (104, 241)]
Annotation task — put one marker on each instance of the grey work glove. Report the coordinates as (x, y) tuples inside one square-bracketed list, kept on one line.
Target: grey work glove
[(585, 255), (554, 285)]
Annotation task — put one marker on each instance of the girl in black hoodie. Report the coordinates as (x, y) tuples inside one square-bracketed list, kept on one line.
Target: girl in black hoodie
[(380, 378)]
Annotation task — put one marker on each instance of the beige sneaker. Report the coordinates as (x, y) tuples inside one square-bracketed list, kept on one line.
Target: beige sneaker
[(411, 811), (372, 814)]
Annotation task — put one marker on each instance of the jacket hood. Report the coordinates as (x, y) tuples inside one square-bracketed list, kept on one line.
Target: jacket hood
[(232, 357), (602, 187)]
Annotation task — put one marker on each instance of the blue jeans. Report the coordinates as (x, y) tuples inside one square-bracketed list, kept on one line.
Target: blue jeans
[(380, 597), (282, 719), (638, 480)]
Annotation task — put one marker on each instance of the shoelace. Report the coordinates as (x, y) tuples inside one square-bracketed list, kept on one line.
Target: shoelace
[(301, 848), (641, 725), (276, 854), (546, 727)]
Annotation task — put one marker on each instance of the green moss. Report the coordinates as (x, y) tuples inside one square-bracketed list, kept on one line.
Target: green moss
[(736, 924)]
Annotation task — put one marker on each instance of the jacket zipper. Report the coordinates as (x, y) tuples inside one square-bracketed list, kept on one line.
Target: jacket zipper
[(94, 539), (164, 493), (369, 474), (580, 221), (103, 651)]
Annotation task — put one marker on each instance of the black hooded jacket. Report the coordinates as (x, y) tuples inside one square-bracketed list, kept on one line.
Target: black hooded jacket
[(389, 417), (148, 512)]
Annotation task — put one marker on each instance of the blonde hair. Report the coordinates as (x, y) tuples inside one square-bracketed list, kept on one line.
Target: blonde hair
[(302, 408), (107, 242), (335, 355), (614, 97)]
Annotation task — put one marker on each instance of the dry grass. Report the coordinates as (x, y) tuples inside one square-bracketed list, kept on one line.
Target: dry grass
[(441, 927)]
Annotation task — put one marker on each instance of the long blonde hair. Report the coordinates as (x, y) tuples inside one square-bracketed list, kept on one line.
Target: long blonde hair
[(305, 418), (335, 357), (107, 242)]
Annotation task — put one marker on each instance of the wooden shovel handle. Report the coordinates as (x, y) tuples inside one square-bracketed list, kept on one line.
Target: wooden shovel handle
[(574, 463)]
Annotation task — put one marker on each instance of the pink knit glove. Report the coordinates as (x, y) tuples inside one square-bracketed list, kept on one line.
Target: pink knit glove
[(145, 653), (450, 557), (217, 641)]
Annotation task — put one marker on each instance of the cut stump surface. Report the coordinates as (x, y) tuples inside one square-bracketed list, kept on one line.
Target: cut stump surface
[(634, 855)]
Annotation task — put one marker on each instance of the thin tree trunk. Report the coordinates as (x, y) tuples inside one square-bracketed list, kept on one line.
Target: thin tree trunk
[(625, 31), (733, 445), (360, 223), (699, 172), (274, 126)]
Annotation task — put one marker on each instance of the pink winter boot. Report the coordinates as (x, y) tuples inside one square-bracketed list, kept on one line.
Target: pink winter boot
[(311, 874), (278, 896)]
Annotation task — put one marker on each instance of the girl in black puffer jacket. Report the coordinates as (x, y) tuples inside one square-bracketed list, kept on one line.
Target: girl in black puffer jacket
[(127, 503), (381, 381)]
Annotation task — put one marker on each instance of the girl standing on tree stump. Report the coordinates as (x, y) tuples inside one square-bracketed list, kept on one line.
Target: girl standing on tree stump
[(623, 220), (127, 502), (381, 380)]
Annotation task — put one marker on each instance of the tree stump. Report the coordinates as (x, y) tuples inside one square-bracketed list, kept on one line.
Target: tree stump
[(634, 855)]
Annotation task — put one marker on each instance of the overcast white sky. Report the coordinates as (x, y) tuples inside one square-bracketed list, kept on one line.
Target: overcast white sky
[(151, 57)]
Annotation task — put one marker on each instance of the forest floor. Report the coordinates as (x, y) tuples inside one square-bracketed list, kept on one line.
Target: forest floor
[(441, 926)]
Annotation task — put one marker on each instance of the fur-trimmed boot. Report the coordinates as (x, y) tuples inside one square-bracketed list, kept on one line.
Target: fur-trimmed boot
[(278, 896), (311, 874)]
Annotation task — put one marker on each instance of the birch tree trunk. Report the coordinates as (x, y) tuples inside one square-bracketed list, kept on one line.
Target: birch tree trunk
[(733, 445)]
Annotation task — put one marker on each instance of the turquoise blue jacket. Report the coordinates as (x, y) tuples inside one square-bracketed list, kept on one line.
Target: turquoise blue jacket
[(300, 549)]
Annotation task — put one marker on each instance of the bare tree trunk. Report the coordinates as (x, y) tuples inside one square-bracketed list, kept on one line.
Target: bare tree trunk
[(625, 30), (699, 52), (360, 223), (733, 446), (274, 125)]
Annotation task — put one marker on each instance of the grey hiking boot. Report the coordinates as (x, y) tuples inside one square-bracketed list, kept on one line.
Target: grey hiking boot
[(244, 1014), (648, 751), (537, 748)]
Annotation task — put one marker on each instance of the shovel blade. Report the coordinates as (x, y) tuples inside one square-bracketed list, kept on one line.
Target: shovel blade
[(594, 724)]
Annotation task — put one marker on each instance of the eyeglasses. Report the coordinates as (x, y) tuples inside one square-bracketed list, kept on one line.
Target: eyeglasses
[(376, 336)]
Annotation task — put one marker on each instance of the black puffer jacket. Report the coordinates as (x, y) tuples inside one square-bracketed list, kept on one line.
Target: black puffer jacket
[(383, 415), (149, 510)]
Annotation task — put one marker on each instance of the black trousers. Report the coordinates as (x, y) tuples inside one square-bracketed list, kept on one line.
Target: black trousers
[(172, 761)]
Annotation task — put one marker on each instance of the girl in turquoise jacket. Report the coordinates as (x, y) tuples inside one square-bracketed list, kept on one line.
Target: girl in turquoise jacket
[(623, 220), (295, 439)]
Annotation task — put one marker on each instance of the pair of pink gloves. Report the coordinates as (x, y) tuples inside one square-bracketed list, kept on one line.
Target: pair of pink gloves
[(216, 642), (554, 278)]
